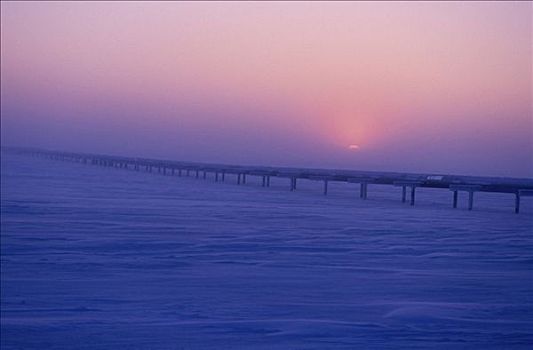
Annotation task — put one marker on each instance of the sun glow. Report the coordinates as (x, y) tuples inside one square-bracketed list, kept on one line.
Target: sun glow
[(353, 147)]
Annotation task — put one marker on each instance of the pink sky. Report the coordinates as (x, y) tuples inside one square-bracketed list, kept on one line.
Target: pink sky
[(432, 87)]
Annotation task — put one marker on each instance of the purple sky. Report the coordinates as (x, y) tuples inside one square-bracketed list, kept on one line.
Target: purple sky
[(420, 87)]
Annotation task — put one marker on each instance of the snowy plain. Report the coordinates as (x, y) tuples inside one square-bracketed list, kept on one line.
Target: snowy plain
[(105, 258)]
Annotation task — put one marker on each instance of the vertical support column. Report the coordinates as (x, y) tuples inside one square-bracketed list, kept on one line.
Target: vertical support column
[(455, 197), (293, 183), (263, 183), (238, 178), (164, 170), (173, 171), (404, 193), (197, 173), (216, 176), (205, 174), (413, 188), (179, 172), (325, 187), (268, 180), (362, 190), (243, 178), (517, 202), (470, 200), (223, 176)]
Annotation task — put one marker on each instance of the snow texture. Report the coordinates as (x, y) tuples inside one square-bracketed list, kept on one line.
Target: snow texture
[(105, 258)]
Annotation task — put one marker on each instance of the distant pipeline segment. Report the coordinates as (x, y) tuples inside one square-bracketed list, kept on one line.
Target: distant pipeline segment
[(455, 183)]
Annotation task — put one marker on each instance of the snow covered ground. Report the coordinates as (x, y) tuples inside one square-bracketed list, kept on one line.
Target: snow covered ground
[(103, 258)]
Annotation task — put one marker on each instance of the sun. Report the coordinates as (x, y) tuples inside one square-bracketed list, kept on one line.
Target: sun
[(353, 147)]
